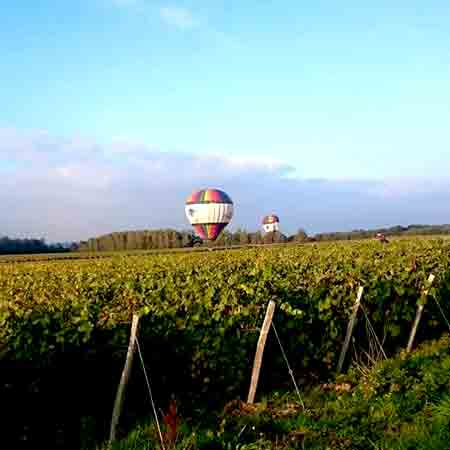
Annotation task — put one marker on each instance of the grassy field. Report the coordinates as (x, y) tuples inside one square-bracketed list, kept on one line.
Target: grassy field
[(402, 403)]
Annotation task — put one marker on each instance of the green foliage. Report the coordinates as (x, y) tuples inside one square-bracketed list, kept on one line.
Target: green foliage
[(207, 308)]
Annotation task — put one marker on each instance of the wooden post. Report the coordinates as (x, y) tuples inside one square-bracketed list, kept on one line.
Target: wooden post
[(419, 312), (118, 404), (259, 351), (350, 326)]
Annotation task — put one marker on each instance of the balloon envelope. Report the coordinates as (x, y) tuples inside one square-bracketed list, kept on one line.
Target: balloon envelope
[(209, 211), (271, 223)]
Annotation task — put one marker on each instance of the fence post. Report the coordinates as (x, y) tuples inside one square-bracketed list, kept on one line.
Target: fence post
[(419, 312), (118, 403), (350, 326), (260, 350)]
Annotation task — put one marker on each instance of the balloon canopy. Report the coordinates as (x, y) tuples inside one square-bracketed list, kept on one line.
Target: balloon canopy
[(271, 223), (209, 211), (272, 218)]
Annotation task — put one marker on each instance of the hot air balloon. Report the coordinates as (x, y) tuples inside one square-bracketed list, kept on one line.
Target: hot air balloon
[(209, 211), (271, 223)]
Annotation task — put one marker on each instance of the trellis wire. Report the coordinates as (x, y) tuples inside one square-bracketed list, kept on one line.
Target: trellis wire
[(291, 373), (150, 392), (373, 331)]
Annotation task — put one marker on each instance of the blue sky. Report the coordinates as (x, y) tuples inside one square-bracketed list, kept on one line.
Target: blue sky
[(337, 91)]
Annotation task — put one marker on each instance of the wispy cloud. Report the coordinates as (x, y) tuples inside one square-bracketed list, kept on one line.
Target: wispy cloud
[(122, 3), (75, 188), (178, 17)]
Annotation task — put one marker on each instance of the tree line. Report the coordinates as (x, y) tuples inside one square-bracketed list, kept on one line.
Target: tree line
[(398, 230), (162, 239), (170, 238), (9, 246)]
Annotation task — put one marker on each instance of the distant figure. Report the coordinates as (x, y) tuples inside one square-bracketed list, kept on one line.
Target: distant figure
[(382, 238)]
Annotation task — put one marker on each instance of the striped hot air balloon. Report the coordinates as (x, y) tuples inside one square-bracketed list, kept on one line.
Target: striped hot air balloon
[(209, 211), (271, 223)]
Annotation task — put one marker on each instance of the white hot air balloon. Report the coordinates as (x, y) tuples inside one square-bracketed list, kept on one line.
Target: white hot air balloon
[(271, 223), (209, 211)]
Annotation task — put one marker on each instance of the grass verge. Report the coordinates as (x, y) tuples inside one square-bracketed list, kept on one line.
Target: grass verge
[(402, 403)]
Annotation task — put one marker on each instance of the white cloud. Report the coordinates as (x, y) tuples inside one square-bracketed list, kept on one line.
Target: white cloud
[(178, 17), (65, 189)]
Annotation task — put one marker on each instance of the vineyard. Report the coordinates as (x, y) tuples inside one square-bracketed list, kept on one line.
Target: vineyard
[(201, 313)]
